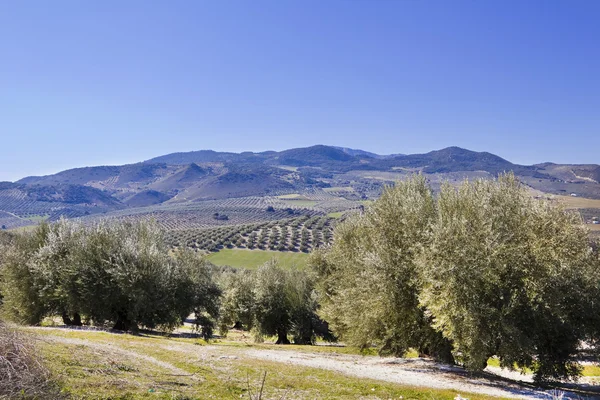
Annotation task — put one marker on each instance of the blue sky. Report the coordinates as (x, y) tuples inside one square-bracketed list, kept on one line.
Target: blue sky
[(111, 82)]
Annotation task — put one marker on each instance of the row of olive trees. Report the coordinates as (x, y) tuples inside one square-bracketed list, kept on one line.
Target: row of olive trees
[(273, 302), (118, 274), (481, 270), (122, 275)]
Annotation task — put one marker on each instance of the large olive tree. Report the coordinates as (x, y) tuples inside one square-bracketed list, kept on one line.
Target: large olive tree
[(369, 281), (507, 275)]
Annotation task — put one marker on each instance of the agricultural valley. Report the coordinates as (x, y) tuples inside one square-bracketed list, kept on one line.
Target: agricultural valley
[(276, 201)]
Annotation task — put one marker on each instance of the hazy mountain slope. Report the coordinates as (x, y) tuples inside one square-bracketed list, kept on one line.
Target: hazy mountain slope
[(28, 204), (103, 177), (238, 181), (75, 176), (363, 153), (204, 156), (208, 174), (147, 198), (587, 171), (182, 178)]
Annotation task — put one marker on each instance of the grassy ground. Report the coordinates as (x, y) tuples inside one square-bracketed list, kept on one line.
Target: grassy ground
[(99, 365), (335, 214), (578, 202), (21, 229), (252, 259), (339, 189), (300, 203), (38, 218)]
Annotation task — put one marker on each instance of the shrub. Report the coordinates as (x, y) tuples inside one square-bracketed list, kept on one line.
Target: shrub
[(21, 373)]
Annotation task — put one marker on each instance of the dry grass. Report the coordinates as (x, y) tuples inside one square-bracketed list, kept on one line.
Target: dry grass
[(593, 227), (578, 202), (21, 374)]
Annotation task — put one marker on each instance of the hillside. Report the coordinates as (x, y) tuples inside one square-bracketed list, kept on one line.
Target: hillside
[(326, 175)]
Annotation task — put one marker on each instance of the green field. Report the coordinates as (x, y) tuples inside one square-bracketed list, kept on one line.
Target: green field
[(339, 189), (301, 203), (38, 218), (293, 196), (252, 259), (578, 202), (335, 214)]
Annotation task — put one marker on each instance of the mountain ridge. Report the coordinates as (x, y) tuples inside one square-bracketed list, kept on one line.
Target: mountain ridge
[(210, 175)]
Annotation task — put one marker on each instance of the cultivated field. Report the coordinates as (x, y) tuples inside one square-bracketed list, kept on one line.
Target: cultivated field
[(301, 234)]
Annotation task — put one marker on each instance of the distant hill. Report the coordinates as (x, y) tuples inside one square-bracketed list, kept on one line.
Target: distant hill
[(22, 204), (362, 153), (146, 198), (204, 156), (329, 172), (453, 159)]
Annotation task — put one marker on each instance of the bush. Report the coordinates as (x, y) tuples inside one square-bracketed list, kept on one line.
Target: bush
[(22, 375)]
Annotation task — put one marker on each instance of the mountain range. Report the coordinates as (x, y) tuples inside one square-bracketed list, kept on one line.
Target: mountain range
[(207, 175)]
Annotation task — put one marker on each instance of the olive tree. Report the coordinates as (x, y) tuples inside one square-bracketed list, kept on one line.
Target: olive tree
[(272, 307), (286, 304), (368, 279), (482, 270), (510, 276), (238, 302)]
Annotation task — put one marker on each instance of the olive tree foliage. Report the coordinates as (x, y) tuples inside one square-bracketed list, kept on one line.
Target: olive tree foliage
[(6, 242), (368, 278), (481, 270), (273, 302), (20, 299), (110, 273), (273, 307), (507, 275), (238, 301)]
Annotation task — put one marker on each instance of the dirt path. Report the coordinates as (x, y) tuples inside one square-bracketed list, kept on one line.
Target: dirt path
[(412, 372)]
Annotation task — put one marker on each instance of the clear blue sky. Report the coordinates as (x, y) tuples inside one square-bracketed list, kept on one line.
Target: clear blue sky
[(112, 82)]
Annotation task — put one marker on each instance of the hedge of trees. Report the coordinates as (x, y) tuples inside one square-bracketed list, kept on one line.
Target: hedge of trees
[(122, 275), (481, 270), (118, 274)]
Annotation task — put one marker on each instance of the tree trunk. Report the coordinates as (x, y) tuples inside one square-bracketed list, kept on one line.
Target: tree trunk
[(66, 319), (238, 325), (441, 353), (77, 319), (282, 337), (122, 323)]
